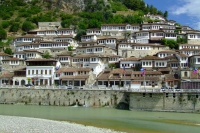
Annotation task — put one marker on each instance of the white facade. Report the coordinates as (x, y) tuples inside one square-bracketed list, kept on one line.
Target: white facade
[(41, 75)]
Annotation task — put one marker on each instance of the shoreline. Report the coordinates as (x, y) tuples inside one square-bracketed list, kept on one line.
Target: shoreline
[(17, 124)]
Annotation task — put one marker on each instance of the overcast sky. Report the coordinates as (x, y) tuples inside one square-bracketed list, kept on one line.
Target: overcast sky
[(185, 12)]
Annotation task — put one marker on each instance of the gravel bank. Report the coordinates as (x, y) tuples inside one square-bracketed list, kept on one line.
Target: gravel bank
[(14, 124)]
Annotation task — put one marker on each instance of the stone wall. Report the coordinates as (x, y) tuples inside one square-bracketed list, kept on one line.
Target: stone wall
[(63, 97), (165, 101)]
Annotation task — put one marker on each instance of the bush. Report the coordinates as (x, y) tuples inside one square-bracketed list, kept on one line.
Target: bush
[(5, 24)]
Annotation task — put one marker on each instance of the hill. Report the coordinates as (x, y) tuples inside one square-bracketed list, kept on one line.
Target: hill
[(20, 16)]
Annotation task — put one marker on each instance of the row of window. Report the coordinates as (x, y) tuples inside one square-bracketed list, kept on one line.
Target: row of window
[(44, 72)]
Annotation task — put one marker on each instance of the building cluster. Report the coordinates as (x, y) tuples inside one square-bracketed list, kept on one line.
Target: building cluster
[(110, 56)]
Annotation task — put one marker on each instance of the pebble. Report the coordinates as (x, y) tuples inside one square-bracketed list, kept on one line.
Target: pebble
[(15, 124)]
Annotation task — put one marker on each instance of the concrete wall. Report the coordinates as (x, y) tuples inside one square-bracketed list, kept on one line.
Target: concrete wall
[(165, 101), (62, 97)]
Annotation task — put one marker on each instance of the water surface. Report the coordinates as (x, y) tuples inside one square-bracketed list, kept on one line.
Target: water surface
[(120, 120)]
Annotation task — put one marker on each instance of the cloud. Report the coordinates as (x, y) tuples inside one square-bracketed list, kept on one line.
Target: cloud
[(191, 8)]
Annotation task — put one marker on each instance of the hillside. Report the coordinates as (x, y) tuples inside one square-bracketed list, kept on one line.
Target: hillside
[(18, 17)]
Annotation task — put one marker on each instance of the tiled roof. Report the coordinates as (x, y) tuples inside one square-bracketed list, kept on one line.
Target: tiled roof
[(7, 75), (169, 51), (130, 59), (68, 69), (10, 59), (42, 59), (152, 58), (4, 54), (75, 77)]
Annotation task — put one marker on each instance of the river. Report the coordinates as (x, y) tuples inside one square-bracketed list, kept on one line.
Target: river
[(119, 120)]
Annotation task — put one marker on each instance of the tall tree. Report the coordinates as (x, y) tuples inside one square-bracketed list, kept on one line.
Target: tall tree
[(165, 14)]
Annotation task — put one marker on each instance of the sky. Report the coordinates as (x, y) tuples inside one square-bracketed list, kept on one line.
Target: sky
[(185, 12)]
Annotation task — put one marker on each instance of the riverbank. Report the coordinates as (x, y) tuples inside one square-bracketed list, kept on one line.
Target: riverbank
[(14, 124)]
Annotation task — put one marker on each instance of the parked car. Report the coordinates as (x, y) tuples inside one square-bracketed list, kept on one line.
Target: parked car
[(75, 87), (69, 87), (28, 85)]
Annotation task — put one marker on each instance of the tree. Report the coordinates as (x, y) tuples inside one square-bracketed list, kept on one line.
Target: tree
[(165, 14), (46, 55), (26, 26), (14, 27), (3, 34), (70, 48), (5, 24), (79, 34), (8, 51)]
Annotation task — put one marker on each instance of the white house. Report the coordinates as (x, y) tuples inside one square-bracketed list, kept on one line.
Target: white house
[(40, 71)]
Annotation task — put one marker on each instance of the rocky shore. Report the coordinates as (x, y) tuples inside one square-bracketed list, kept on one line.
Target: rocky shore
[(14, 124)]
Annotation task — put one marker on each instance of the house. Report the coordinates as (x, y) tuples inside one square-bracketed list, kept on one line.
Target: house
[(107, 41), (152, 62), (91, 38), (155, 36), (117, 78), (194, 61), (129, 63), (189, 79), (75, 76), (94, 48), (25, 39), (183, 60), (19, 77), (193, 37), (28, 54), (41, 71), (11, 64), (141, 50), (97, 62), (2, 57), (66, 38), (94, 31), (163, 54), (142, 37), (64, 58), (113, 29)]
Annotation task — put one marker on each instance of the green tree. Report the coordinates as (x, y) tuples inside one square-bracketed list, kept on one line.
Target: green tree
[(46, 55), (79, 34), (70, 48), (26, 26), (5, 24), (165, 15), (8, 51), (112, 66), (3, 34), (14, 27), (172, 44)]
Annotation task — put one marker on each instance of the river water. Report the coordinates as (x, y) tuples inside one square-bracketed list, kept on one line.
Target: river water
[(120, 120)]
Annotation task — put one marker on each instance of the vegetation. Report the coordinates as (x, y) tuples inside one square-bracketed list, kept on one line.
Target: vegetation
[(112, 66), (3, 34), (18, 15), (8, 51), (46, 55), (172, 44), (70, 48)]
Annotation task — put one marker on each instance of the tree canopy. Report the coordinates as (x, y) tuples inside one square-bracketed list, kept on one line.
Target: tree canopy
[(8, 51)]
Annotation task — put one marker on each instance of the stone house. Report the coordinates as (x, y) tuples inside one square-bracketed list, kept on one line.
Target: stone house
[(11, 64), (94, 31)]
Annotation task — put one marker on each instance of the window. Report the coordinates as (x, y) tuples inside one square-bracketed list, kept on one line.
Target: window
[(36, 71), (29, 71), (32, 71), (46, 72), (49, 71), (41, 71)]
